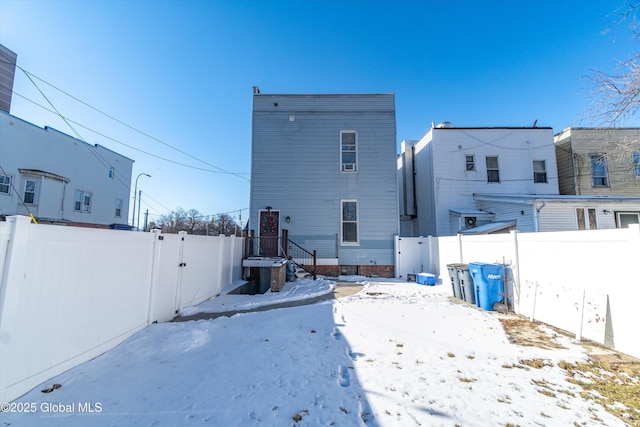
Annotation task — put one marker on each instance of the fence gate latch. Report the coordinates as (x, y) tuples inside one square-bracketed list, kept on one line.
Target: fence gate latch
[(182, 264)]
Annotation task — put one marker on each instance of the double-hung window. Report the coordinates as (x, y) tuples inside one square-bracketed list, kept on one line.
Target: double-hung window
[(29, 191), (118, 208), (349, 222), (599, 172), (493, 172), (636, 163), (5, 184), (82, 202), (539, 171), (470, 162), (348, 151)]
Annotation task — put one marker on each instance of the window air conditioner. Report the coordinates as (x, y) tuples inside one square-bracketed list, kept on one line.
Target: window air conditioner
[(348, 167)]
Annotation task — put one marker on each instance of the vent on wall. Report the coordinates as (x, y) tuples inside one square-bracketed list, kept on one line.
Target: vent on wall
[(470, 222)]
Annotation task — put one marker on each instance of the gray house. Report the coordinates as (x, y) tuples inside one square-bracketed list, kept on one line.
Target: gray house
[(323, 175)]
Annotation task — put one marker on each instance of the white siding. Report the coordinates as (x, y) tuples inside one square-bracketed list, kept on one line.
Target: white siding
[(85, 166), (443, 183), (523, 214)]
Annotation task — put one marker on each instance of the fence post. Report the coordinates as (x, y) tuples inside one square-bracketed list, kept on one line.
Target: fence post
[(10, 287), (396, 241), (232, 258), (516, 264), (581, 317), (152, 315)]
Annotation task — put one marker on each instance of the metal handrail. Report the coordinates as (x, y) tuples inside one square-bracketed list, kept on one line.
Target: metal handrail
[(282, 247)]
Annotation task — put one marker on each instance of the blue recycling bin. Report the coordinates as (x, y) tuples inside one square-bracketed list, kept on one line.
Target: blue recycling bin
[(489, 283)]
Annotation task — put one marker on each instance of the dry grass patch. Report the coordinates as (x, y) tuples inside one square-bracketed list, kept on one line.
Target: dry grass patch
[(615, 386), (535, 363)]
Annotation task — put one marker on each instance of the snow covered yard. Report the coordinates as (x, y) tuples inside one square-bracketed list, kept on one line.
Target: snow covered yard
[(395, 354)]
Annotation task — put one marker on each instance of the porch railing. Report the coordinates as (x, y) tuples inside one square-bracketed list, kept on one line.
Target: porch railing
[(282, 247)]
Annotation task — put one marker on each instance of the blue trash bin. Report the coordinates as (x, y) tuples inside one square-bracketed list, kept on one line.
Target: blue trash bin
[(489, 285)]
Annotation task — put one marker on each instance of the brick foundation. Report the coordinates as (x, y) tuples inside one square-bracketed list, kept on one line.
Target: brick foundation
[(363, 270), (328, 270), (377, 270)]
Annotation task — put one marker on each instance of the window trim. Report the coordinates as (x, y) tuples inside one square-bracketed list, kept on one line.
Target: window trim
[(619, 214), (586, 218), (342, 223), (119, 208), (349, 167), (82, 201), (497, 169), (635, 159), (35, 191), (472, 163), (600, 158), (543, 173), (8, 184)]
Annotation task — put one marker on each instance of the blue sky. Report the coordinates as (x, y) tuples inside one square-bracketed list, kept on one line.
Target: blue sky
[(182, 72)]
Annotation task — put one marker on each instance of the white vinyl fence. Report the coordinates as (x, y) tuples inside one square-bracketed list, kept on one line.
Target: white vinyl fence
[(585, 282), (68, 294)]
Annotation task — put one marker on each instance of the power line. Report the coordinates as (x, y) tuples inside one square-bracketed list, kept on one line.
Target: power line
[(123, 143), (219, 169)]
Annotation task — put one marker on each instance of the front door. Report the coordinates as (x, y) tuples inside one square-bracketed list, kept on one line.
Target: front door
[(269, 225)]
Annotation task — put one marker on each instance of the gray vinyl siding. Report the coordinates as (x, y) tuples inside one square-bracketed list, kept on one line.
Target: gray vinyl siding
[(296, 170), (566, 178), (584, 141)]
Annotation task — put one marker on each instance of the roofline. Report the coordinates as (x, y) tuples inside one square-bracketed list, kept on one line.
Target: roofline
[(49, 128), (530, 198), (325, 94), (492, 128), (570, 128)]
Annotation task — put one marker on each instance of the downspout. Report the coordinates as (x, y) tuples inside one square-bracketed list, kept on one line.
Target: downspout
[(536, 211)]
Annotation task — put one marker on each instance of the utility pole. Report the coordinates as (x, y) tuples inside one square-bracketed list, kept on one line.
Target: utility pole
[(146, 219), (139, 198)]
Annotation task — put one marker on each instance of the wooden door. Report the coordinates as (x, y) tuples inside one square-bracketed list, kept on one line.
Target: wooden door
[(269, 226)]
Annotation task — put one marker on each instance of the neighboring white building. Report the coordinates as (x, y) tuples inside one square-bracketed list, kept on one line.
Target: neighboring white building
[(530, 213), (60, 179), (439, 174)]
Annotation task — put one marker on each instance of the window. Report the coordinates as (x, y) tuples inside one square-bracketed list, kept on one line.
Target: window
[(493, 173), (636, 163), (112, 172), (82, 202), (624, 219), (539, 171), (29, 191), (586, 218), (118, 208), (348, 145), (599, 172), (5, 184), (349, 222), (470, 163)]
